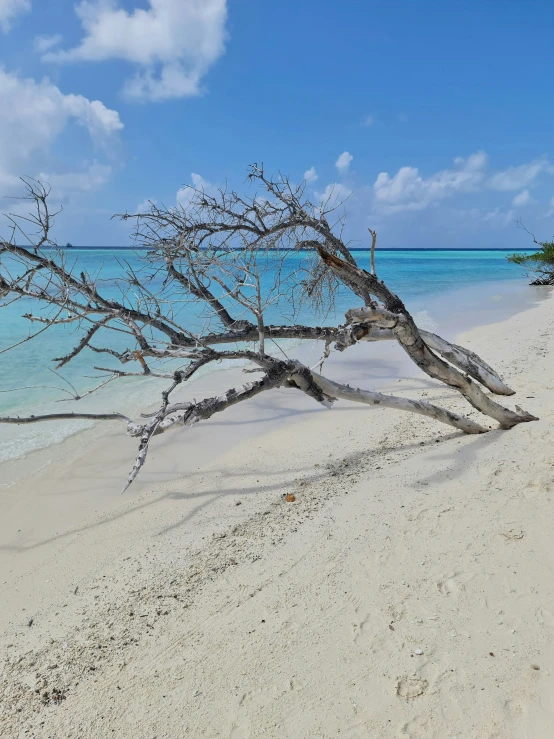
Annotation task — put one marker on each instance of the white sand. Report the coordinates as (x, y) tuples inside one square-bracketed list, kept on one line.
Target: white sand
[(408, 591)]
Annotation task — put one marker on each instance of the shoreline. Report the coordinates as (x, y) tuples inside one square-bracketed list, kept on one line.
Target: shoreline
[(58, 488), (182, 531), (433, 312), (352, 248), (417, 279), (61, 490)]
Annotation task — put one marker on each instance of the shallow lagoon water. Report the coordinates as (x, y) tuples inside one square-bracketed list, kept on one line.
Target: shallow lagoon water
[(446, 290)]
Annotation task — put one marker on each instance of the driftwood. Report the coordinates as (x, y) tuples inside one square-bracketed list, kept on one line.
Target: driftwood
[(546, 280), (228, 258)]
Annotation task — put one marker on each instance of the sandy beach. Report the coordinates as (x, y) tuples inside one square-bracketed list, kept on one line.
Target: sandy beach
[(407, 591)]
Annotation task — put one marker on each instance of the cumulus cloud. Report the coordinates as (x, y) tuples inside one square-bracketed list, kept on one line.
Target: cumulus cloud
[(498, 218), (145, 206), (34, 114), (468, 192), (523, 198), (343, 162), (200, 183), (172, 42), (310, 175), (42, 44), (407, 190), (9, 9), (334, 195), (514, 178), (186, 193), (88, 179)]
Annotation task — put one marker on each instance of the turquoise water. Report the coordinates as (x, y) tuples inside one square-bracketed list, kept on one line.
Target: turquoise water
[(438, 287)]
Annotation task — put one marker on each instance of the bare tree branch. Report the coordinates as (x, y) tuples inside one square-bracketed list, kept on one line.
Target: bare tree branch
[(64, 417), (372, 252), (228, 277)]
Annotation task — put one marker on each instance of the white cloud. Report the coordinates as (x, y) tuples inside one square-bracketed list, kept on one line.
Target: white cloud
[(9, 9), (42, 44), (34, 114), (498, 218), (369, 120), (173, 42), (310, 175), (343, 162), (199, 182), (334, 195), (92, 177), (145, 206), (407, 190), (515, 178), (185, 194), (524, 198), (463, 219), (183, 197)]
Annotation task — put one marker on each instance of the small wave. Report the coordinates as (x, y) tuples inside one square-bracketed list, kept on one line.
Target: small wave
[(28, 440), (128, 396)]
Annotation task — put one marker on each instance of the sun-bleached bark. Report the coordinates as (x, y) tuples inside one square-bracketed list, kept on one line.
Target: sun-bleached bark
[(395, 317), (468, 362), (225, 257), (422, 407), (19, 420)]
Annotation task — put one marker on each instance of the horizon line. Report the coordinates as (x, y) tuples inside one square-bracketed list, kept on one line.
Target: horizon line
[(354, 248)]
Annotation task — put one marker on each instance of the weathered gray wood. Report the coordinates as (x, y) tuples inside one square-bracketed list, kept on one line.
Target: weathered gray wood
[(213, 254), (395, 317), (370, 397), (17, 420)]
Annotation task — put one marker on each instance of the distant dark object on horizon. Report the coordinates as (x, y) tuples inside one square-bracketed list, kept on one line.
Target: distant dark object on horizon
[(68, 245)]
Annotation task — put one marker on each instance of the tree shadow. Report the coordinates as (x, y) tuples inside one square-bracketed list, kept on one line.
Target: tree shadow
[(212, 495), (350, 459), (471, 449)]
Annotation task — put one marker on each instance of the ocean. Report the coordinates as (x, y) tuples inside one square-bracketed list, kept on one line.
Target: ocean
[(444, 289)]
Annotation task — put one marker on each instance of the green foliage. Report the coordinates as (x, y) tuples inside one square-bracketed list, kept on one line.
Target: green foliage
[(517, 258), (542, 260)]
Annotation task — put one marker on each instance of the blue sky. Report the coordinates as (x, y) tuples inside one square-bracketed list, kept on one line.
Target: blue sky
[(434, 119)]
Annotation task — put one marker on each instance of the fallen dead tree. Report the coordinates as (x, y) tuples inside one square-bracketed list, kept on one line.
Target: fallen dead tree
[(232, 262)]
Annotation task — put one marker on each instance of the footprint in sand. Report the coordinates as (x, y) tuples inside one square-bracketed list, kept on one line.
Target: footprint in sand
[(514, 709), (419, 728), (409, 687), (455, 582), (253, 701), (365, 632), (239, 731), (266, 694), (545, 617)]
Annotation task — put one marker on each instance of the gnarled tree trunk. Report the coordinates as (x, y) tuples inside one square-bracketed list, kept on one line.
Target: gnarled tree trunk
[(227, 255)]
